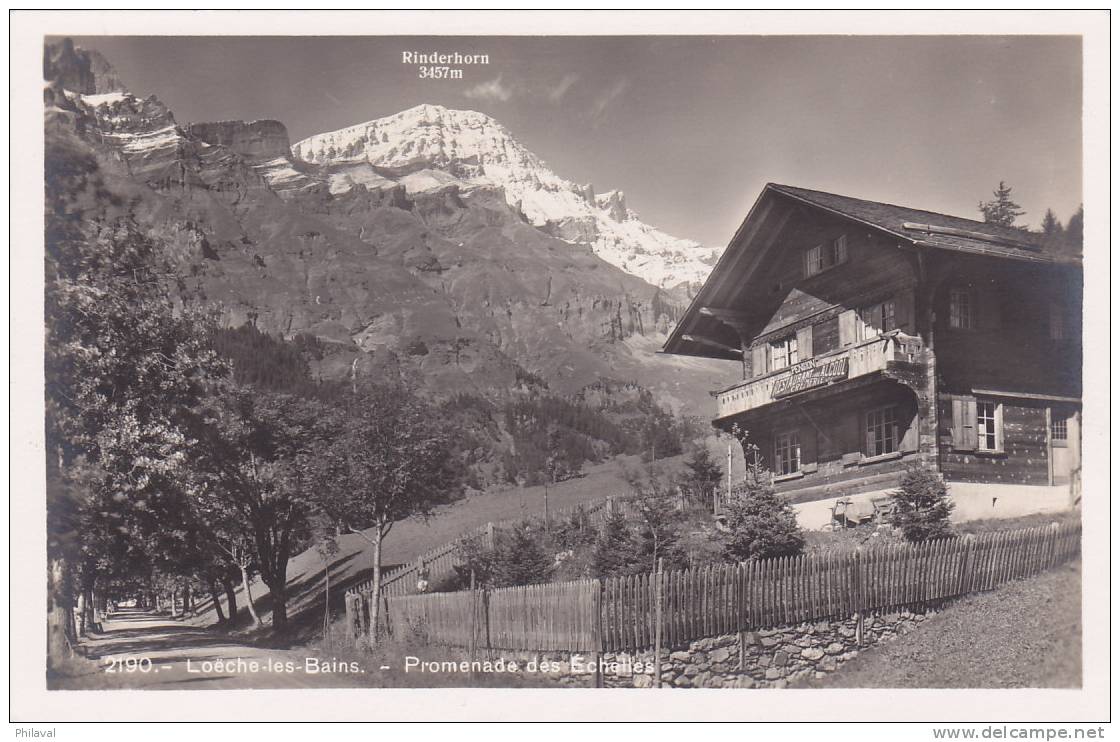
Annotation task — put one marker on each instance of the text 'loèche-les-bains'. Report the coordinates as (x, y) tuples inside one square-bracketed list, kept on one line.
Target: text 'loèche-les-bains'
[(875, 337)]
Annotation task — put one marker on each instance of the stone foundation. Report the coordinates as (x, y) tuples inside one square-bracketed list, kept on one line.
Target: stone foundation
[(772, 658)]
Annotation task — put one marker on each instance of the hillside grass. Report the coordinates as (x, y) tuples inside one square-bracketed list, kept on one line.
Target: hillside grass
[(1025, 634)]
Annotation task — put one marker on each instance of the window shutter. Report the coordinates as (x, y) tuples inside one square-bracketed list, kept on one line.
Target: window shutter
[(805, 343), (964, 423), (758, 360), (902, 314), (847, 328), (957, 430), (970, 423)]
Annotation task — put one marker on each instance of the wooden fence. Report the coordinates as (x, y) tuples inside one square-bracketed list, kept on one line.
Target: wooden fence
[(440, 561), (619, 614)]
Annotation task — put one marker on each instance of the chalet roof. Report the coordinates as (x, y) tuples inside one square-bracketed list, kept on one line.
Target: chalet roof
[(931, 228), (701, 333)]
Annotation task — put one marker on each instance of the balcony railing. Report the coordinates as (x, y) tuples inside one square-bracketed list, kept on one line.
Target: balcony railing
[(864, 358)]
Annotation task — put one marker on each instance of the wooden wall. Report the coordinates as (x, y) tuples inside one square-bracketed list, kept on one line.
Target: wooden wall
[(1025, 456), (832, 437), (876, 269), (1010, 348)]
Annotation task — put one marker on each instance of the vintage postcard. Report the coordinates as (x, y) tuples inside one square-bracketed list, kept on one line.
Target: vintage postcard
[(738, 361)]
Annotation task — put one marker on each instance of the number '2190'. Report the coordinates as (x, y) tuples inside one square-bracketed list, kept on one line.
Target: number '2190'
[(129, 664)]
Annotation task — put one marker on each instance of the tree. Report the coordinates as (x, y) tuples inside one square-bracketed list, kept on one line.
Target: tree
[(257, 447), (702, 474), (922, 506), (658, 534), (761, 525), (381, 456), (1051, 227), (125, 369), (614, 549), (520, 557), (1001, 210), (1075, 231)]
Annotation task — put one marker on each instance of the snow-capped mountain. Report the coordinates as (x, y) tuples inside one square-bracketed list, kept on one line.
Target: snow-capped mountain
[(428, 148)]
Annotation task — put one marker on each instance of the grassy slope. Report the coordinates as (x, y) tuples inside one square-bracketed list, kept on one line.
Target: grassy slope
[(413, 537), (1026, 634)]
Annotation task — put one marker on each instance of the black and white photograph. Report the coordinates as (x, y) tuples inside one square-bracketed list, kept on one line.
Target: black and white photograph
[(716, 366)]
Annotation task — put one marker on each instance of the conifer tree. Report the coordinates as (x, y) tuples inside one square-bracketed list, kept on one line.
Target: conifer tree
[(1001, 210)]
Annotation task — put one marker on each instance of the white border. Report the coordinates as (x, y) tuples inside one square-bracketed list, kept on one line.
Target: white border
[(30, 701)]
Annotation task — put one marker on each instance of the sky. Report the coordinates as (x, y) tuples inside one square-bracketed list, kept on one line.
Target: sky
[(691, 128)]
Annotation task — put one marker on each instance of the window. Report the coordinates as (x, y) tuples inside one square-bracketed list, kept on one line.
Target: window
[(787, 453), (876, 318), (987, 426), (826, 256), (783, 353), (1057, 322), (1059, 430), (882, 432), (814, 262), (961, 309), (826, 336)]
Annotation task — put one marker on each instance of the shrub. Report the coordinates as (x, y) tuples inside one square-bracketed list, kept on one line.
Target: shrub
[(520, 557), (614, 549), (922, 506), (702, 475), (658, 534), (761, 525)]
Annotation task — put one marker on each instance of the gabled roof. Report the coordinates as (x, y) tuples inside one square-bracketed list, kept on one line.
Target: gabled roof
[(699, 333), (931, 228)]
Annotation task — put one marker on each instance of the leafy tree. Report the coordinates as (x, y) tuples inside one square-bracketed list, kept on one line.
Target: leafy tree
[(257, 448), (922, 506), (1001, 210), (379, 457), (124, 371), (658, 533)]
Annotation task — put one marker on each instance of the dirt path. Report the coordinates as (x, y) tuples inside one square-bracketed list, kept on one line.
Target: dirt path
[(183, 656)]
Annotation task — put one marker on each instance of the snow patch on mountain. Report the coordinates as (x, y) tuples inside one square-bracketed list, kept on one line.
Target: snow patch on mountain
[(430, 147)]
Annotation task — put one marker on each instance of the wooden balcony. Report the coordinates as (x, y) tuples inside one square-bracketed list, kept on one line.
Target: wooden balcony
[(866, 357)]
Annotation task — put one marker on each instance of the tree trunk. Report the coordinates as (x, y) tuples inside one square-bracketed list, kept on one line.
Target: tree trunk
[(217, 602), (60, 614), (249, 596), (187, 599), (279, 608), (327, 596), (375, 595), (231, 599)]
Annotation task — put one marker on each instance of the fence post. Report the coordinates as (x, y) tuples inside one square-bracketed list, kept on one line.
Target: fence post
[(857, 590), (965, 583), (597, 629), (472, 642), (349, 616), (657, 626)]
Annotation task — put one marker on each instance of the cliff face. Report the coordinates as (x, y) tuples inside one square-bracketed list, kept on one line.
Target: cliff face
[(264, 139), (79, 70), (447, 285)]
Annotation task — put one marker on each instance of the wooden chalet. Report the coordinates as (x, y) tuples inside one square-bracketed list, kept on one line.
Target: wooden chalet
[(875, 337)]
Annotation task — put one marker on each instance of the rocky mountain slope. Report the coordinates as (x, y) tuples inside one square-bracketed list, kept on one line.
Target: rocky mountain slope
[(404, 270), (428, 147)]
